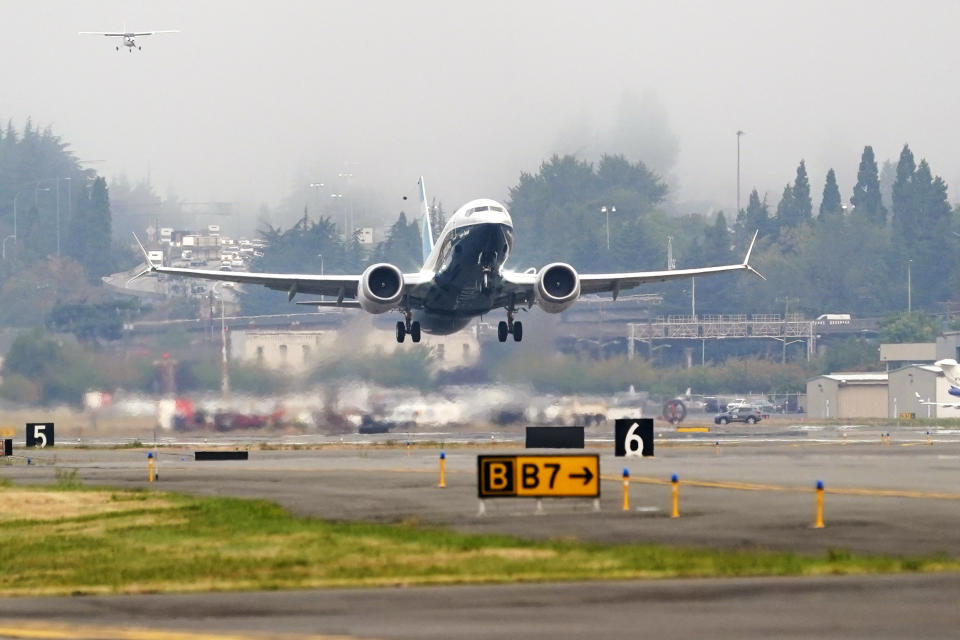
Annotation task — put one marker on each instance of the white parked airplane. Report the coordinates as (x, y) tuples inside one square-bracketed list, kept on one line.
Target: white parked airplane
[(128, 36), (462, 277), (951, 371)]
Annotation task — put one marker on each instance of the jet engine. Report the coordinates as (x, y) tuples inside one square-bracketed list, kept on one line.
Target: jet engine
[(558, 287), (380, 289)]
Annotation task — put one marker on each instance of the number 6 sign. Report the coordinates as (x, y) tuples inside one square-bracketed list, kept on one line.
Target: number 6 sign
[(634, 437), (40, 434)]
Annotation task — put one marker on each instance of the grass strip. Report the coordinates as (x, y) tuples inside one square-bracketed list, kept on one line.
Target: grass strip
[(138, 542)]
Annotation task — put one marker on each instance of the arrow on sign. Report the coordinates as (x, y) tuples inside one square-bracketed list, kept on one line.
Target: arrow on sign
[(587, 475)]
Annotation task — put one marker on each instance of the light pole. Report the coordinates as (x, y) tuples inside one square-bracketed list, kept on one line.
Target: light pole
[(909, 289), (606, 211), (739, 134), (69, 209), (224, 365), (316, 186), (786, 300), (36, 188), (340, 195)]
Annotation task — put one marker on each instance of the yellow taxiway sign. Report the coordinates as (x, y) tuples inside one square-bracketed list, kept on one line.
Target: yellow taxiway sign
[(539, 476)]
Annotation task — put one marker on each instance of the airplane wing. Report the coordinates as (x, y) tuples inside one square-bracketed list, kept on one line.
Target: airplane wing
[(951, 405), (293, 283), (101, 33), (520, 285), (340, 287), (150, 33)]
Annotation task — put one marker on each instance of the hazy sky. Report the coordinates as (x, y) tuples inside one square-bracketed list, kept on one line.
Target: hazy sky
[(254, 98)]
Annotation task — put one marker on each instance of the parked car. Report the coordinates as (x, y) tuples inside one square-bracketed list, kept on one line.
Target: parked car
[(750, 415)]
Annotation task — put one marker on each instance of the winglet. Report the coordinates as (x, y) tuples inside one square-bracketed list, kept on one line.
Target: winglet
[(426, 232), (746, 260), (146, 257)]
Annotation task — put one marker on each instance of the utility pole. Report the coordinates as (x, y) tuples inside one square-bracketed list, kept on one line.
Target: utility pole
[(786, 300)]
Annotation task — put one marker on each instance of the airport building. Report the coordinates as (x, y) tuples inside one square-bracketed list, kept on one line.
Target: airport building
[(911, 386), (847, 395), (299, 349), (896, 355)]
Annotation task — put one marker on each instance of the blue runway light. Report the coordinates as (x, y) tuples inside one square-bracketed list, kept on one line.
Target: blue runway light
[(442, 455), (626, 472), (674, 478), (819, 485), (150, 454)]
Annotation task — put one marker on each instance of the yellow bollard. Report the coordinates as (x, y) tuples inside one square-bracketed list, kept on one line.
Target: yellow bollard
[(716, 447), (819, 522), (675, 513), (443, 460), (929, 441), (408, 448), (626, 489), (150, 464), (889, 440)]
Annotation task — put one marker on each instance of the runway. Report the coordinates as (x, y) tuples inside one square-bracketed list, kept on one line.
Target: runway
[(825, 607), (900, 499)]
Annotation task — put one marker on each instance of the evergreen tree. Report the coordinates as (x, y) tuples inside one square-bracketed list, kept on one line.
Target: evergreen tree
[(402, 246), (933, 238), (438, 218), (785, 208), (867, 199), (904, 216), (89, 238), (756, 217), (830, 206), (97, 252), (802, 205)]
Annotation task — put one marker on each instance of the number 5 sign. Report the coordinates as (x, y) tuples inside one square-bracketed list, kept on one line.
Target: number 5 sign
[(40, 434), (634, 437)]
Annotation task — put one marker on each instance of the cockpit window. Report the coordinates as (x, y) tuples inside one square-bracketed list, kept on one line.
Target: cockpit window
[(474, 210)]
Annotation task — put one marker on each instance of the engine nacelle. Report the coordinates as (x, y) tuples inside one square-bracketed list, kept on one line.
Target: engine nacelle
[(380, 288), (558, 287)]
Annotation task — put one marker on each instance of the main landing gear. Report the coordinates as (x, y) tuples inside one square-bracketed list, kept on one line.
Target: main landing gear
[(510, 327), (405, 327)]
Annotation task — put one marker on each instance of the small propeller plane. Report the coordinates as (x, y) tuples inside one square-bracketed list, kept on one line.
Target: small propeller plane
[(129, 37)]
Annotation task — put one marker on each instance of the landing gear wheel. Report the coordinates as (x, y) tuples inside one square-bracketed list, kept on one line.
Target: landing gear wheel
[(517, 331), (415, 332), (502, 331), (401, 331)]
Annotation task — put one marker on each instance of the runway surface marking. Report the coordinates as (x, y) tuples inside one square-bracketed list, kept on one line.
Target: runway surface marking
[(60, 631)]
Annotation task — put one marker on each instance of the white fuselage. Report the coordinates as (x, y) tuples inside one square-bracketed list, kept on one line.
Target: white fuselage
[(466, 263)]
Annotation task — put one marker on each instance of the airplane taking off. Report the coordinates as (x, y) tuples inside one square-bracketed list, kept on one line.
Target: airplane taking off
[(128, 36), (462, 277)]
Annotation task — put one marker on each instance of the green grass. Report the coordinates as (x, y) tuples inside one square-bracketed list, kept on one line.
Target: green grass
[(152, 542)]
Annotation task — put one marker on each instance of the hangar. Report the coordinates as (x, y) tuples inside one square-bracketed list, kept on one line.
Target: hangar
[(847, 395), (911, 385)]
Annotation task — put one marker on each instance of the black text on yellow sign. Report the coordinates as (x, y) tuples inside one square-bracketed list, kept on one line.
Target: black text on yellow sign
[(573, 476)]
